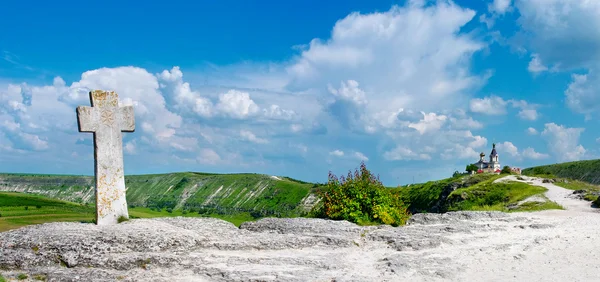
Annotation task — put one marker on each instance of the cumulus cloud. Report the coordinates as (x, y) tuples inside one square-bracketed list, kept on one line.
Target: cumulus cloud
[(500, 6), (465, 123), (496, 9), (446, 143), (402, 153), (248, 135), (237, 104), (509, 148), (385, 62), (582, 93), (563, 142), (360, 156), (208, 156), (530, 153), (352, 155), (536, 65), (494, 105), (552, 29), (531, 131), (430, 122)]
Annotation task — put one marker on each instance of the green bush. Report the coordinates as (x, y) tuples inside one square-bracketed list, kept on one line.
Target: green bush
[(506, 169), (471, 167), (361, 198)]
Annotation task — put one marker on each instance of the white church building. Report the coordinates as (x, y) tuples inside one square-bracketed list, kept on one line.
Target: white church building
[(492, 166)]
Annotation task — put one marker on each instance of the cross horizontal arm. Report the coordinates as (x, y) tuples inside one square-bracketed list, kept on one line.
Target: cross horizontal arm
[(86, 119), (127, 120)]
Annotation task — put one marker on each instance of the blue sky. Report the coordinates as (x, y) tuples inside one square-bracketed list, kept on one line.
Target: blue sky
[(416, 89)]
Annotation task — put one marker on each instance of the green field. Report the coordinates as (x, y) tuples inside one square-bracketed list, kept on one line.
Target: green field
[(17, 210)]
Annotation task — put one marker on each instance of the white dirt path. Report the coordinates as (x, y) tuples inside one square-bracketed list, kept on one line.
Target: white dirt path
[(555, 193)]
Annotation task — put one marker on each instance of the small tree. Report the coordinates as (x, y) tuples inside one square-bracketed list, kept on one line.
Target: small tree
[(471, 167), (362, 198), (506, 170)]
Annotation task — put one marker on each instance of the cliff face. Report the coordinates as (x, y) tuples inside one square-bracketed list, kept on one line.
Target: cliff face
[(229, 192)]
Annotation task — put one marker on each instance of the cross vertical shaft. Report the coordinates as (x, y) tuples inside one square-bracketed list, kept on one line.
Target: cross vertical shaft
[(106, 120)]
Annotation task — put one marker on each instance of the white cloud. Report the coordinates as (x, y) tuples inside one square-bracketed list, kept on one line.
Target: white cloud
[(402, 153), (563, 142), (459, 152), (395, 58), (349, 91), (528, 114), (535, 65), (360, 156), (130, 147), (500, 6), (552, 29), (532, 131), (354, 155), (430, 122), (237, 104), (492, 105), (496, 9), (530, 153), (509, 148), (478, 142), (208, 156), (465, 123), (582, 94), (248, 135)]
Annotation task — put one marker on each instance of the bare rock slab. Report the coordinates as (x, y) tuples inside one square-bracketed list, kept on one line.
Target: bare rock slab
[(449, 247)]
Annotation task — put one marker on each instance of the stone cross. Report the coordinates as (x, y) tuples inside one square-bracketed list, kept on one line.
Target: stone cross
[(106, 120)]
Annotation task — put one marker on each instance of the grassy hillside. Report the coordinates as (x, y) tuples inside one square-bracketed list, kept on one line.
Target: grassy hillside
[(473, 192), (260, 195), (586, 171), (17, 209)]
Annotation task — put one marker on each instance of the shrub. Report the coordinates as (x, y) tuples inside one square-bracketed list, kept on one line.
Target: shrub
[(38, 207), (362, 198), (471, 167), (26, 208), (122, 219), (169, 210), (506, 170)]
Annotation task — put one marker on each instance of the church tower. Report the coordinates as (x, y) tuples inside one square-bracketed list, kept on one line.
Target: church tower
[(494, 163)]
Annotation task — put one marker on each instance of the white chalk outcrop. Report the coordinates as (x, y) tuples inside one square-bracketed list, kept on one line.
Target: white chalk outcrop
[(558, 245)]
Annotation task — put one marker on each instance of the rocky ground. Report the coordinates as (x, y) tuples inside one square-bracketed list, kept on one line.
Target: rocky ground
[(555, 245)]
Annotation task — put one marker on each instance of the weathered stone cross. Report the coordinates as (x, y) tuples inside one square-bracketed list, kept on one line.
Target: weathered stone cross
[(106, 120)]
